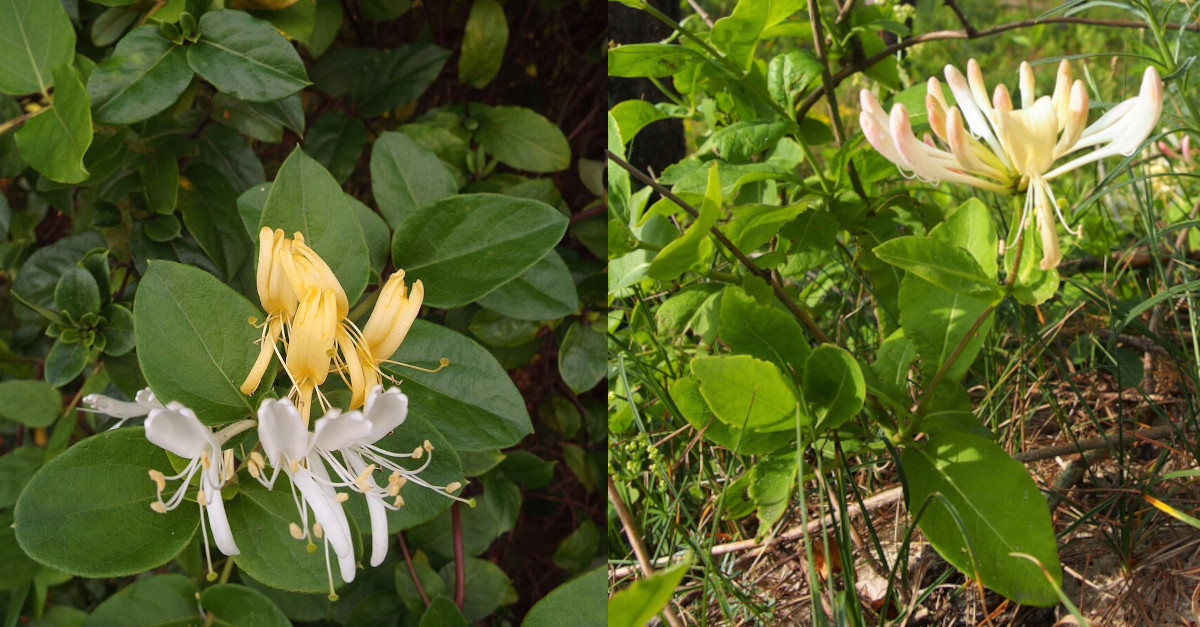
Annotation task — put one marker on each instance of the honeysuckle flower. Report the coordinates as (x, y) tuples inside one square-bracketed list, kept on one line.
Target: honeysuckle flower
[(278, 299), (177, 429), (143, 402), (291, 448), (311, 343), (393, 315), (990, 145)]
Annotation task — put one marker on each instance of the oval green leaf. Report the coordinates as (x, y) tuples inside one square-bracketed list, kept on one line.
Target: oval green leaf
[(543, 292), (144, 75), (581, 358), (35, 37), (406, 176), (195, 342), (31, 403), (54, 141), (246, 57), (833, 386), (231, 604), (483, 44), (158, 601), (87, 512), (523, 139), (463, 247), (746, 393), (579, 602)]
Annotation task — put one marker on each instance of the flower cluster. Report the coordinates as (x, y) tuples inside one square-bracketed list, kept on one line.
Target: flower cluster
[(307, 313), (986, 143)]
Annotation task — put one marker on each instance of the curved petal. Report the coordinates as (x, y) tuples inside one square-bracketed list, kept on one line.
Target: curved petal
[(386, 412), (1062, 93), (323, 501), (1029, 136), (219, 522), (1076, 118), (113, 407), (1027, 82), (281, 431), (375, 509), (338, 431), (880, 140), (976, 122), (176, 429), (915, 153)]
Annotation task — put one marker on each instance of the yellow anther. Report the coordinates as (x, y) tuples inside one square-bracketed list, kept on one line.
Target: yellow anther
[(159, 480), (361, 481), (257, 458), (295, 466), (202, 498), (296, 531), (418, 452), (428, 446), (159, 507), (454, 485), (318, 530), (253, 467), (342, 497), (204, 460), (399, 502)]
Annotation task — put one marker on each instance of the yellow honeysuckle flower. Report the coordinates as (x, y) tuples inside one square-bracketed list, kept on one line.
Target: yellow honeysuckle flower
[(1022, 145), (277, 297), (311, 344)]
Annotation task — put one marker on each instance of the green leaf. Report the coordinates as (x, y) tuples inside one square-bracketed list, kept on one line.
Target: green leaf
[(145, 74), (161, 600), (119, 336), (633, 115), (375, 231), (936, 321), (97, 495), (487, 587), (18, 466), (483, 44), (327, 21), (383, 10), (31, 403), (970, 227), (581, 358), (380, 81), (1031, 285), (159, 169), (740, 141), (771, 481), (945, 265), (498, 330), (755, 225), (476, 403), (259, 519), (763, 332), (226, 150), (231, 604), (77, 293), (694, 245), (263, 121), (406, 176), (306, 198), (463, 247), (649, 60), (64, 362), (890, 369), (35, 38), (747, 393), (246, 57), (686, 394), (643, 600), (788, 75), (525, 468), (833, 386), (543, 292), (442, 612), (523, 139), (336, 141), (1000, 508), (54, 141), (18, 569), (296, 22), (195, 344), (738, 34), (578, 602), (41, 271)]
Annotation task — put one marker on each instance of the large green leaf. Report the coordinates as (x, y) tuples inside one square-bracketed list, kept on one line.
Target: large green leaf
[(971, 228), (737, 35), (945, 265), (936, 321), (35, 38), (833, 386), (747, 393), (31, 403), (523, 139), (406, 176), (1000, 509), (465, 246), (306, 198), (771, 481), (158, 601), (632, 116), (234, 605), (543, 292), (246, 57), (643, 600), (579, 602), (740, 141), (472, 401), (581, 357), (483, 44), (649, 60), (694, 246), (686, 394), (195, 344), (763, 332), (87, 511), (143, 76), (54, 141), (336, 140), (209, 209)]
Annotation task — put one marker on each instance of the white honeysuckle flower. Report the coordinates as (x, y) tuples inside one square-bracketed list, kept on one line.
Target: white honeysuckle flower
[(346, 442), (143, 402), (290, 447), (177, 429), (991, 146)]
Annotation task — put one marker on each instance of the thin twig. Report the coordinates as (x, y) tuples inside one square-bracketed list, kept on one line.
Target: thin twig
[(1123, 437), (962, 19), (835, 116), (699, 11), (411, 569), (459, 562), (20, 120), (639, 549), (780, 293)]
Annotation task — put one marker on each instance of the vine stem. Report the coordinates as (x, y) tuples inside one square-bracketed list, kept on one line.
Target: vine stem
[(411, 569), (639, 549), (766, 275), (459, 563), (835, 116)]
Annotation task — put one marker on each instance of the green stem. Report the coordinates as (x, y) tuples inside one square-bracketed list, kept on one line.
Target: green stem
[(723, 277)]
